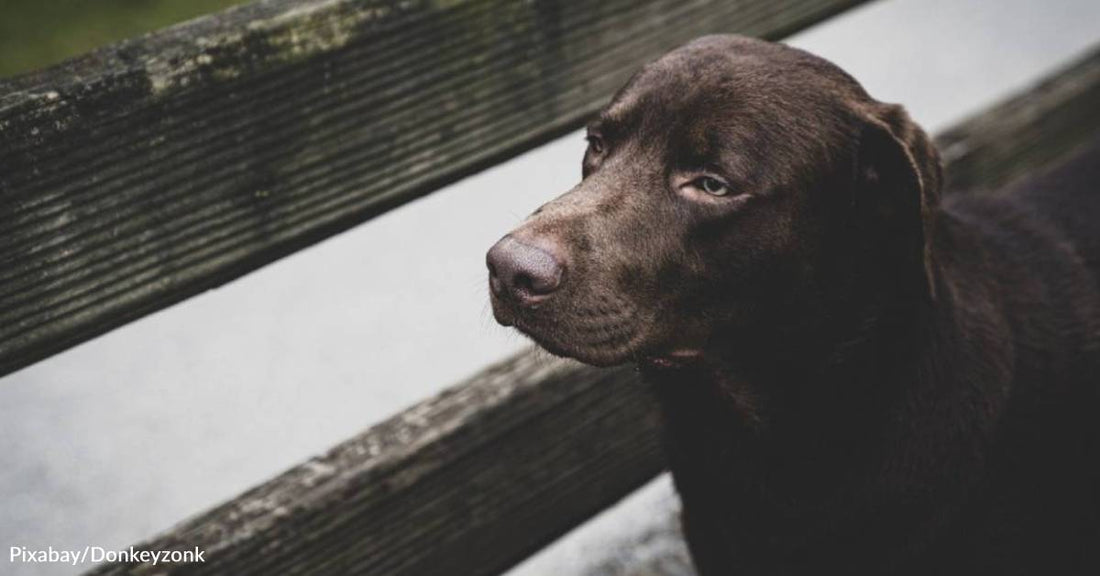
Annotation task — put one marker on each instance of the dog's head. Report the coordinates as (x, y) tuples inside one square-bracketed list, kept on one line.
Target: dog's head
[(731, 185)]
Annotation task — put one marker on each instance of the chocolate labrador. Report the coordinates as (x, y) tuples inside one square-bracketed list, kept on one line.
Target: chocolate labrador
[(856, 377)]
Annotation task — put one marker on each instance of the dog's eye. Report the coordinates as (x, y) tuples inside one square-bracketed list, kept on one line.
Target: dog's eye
[(712, 186)]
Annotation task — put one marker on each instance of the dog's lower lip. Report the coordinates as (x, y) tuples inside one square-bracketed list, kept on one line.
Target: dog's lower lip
[(502, 318)]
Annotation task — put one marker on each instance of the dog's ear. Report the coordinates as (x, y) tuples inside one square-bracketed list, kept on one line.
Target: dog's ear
[(898, 186)]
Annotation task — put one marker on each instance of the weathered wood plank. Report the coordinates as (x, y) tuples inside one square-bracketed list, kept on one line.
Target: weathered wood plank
[(468, 482), (475, 479), (144, 173), (1027, 131)]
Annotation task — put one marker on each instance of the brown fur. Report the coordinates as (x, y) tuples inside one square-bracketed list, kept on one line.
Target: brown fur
[(856, 375)]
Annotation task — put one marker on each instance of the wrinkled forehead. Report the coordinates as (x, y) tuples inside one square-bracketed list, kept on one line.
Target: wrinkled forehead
[(751, 101), (732, 72)]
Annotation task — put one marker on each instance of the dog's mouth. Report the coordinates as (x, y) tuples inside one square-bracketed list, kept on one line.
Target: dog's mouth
[(609, 333), (606, 333)]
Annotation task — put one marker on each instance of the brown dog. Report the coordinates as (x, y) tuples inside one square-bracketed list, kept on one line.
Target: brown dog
[(856, 378)]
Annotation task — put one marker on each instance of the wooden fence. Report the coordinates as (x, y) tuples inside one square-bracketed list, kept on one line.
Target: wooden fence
[(161, 167), (144, 173)]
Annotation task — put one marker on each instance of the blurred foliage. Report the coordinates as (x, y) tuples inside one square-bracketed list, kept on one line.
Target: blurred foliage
[(37, 33)]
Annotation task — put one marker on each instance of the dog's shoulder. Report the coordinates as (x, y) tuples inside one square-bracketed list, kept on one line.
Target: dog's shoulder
[(1021, 265)]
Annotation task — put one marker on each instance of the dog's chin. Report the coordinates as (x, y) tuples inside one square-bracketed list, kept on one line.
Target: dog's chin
[(597, 358), (602, 357), (631, 349), (666, 361), (661, 359), (607, 338)]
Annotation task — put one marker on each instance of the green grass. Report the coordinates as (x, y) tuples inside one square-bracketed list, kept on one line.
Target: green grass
[(37, 33)]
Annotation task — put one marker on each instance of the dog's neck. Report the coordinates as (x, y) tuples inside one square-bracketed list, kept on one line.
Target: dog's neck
[(800, 372), (781, 409), (813, 378)]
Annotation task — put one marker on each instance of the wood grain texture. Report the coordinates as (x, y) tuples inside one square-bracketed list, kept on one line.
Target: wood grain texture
[(147, 172), (477, 478), (1025, 132), (468, 482)]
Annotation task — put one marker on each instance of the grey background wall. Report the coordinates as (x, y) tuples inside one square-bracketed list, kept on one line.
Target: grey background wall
[(121, 437)]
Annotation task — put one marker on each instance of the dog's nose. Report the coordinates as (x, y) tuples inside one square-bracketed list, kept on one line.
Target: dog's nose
[(523, 272)]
